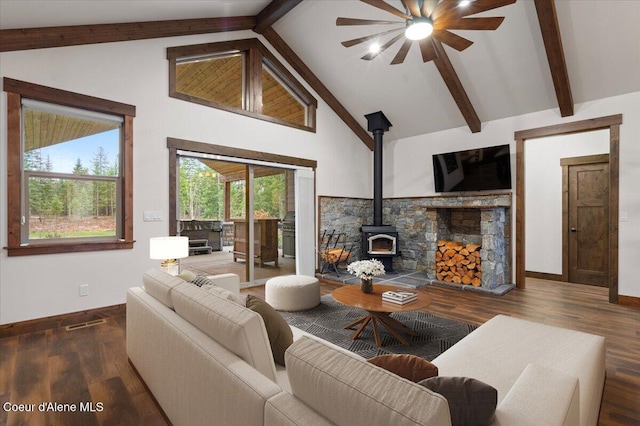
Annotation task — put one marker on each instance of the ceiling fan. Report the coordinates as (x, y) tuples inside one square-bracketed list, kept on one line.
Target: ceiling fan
[(424, 20)]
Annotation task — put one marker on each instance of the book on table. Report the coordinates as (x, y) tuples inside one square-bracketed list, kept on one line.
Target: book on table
[(399, 297)]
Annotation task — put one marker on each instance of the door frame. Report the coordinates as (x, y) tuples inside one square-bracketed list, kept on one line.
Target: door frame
[(566, 163), (612, 123), (174, 145)]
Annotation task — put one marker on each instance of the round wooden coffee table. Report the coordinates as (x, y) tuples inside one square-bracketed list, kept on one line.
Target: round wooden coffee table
[(378, 311)]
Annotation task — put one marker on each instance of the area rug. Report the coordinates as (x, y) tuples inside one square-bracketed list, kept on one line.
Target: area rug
[(435, 334)]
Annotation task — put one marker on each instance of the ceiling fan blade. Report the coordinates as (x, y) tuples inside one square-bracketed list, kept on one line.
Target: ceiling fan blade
[(427, 50), (380, 4), (370, 56), (353, 21), (450, 10), (469, 23), (353, 42), (402, 53), (413, 6), (451, 39), (443, 8), (428, 6), (482, 6)]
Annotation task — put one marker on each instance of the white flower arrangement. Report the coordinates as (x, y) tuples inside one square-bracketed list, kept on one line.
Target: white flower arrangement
[(366, 269)]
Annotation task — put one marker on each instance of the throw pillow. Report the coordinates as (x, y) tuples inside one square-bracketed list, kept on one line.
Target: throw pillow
[(200, 280), (279, 332), (471, 402), (187, 275), (411, 367), (223, 293)]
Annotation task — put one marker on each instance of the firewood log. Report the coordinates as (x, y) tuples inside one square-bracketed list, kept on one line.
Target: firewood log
[(472, 247)]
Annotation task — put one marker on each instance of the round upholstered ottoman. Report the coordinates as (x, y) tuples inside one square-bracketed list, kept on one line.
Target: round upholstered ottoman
[(292, 292)]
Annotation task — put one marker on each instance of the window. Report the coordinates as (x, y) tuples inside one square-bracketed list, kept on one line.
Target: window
[(69, 171), (279, 101), (243, 77), (218, 79)]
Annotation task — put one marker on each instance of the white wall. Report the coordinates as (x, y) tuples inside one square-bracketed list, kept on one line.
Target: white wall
[(543, 181), (137, 73), (408, 169)]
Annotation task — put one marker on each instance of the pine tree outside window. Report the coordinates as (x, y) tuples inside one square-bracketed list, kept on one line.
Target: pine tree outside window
[(70, 188), (67, 199)]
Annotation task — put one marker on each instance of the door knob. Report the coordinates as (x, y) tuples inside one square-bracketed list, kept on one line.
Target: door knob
[(574, 230)]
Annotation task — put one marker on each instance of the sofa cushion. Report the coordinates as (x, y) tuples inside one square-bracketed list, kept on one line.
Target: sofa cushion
[(411, 367), (502, 348), (159, 285), (235, 327), (471, 402), (348, 390), (541, 396), (279, 332)]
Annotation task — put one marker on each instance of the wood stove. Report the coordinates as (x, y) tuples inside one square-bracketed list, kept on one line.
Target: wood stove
[(379, 241)]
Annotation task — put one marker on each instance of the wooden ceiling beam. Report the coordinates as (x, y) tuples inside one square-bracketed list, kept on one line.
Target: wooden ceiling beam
[(45, 37), (550, 29), (301, 68), (272, 12), (455, 87)]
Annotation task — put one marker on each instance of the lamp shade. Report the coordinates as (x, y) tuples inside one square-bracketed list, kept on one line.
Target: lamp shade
[(168, 247)]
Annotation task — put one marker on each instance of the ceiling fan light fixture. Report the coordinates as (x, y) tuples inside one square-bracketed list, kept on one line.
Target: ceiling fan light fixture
[(418, 28)]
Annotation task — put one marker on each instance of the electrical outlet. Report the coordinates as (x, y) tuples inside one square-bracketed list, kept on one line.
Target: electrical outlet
[(84, 289), (624, 216)]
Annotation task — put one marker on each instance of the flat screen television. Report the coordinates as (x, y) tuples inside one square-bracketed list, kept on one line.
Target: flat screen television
[(481, 169)]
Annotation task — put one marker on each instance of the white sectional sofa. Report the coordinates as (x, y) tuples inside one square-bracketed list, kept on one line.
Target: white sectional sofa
[(207, 360)]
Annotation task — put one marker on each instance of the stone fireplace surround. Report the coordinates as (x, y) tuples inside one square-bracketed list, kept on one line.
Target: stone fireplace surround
[(422, 221)]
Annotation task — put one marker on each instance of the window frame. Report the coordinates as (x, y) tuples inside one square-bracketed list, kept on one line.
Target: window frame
[(16, 91), (255, 53)]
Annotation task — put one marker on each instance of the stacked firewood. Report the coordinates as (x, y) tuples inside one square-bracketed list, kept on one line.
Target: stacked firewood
[(458, 263)]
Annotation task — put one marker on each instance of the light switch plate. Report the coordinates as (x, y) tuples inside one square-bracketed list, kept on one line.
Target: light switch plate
[(152, 216)]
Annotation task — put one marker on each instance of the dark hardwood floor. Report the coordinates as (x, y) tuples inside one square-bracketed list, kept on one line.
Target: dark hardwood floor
[(90, 365)]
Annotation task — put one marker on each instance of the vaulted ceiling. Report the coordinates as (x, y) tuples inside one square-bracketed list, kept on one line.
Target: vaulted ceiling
[(545, 55)]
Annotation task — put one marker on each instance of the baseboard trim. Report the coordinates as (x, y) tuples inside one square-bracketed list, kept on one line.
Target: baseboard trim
[(55, 321), (543, 276), (629, 301)]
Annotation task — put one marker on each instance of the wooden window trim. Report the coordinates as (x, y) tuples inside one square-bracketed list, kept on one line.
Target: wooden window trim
[(255, 52), (16, 90)]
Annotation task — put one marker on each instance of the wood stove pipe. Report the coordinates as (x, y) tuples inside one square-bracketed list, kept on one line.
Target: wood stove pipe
[(378, 124)]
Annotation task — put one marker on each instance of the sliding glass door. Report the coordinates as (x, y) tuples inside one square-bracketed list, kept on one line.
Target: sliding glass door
[(261, 216)]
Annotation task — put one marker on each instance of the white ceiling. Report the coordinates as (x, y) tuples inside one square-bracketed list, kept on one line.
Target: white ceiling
[(505, 72)]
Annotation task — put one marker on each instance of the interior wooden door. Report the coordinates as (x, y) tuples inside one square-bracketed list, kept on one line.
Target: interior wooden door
[(587, 224)]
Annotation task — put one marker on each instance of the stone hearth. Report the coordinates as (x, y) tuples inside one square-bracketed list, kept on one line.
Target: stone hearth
[(422, 221)]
